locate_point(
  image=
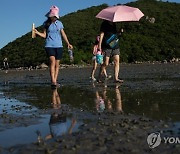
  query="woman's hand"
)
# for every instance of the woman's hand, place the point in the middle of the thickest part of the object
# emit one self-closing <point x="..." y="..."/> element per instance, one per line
<point x="43" y="35"/>
<point x="70" y="46"/>
<point x="35" y="31"/>
<point x="121" y="31"/>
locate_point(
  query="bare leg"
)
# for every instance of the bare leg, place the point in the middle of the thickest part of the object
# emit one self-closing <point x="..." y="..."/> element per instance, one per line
<point x="118" y="100"/>
<point x="109" y="105"/>
<point x="94" y="69"/>
<point x="58" y="98"/>
<point x="105" y="73"/>
<point x="56" y="70"/>
<point x="103" y="67"/>
<point x="116" y="67"/>
<point x="56" y="102"/>
<point x="54" y="97"/>
<point x="52" y="69"/>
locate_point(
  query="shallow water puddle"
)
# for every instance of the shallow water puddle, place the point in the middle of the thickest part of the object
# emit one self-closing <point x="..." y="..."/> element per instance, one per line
<point x="159" y="105"/>
<point x="13" y="106"/>
<point x="23" y="135"/>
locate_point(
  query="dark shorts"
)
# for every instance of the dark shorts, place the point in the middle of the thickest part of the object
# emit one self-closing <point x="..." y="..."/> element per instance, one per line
<point x="56" y="52"/>
<point x="111" y="52"/>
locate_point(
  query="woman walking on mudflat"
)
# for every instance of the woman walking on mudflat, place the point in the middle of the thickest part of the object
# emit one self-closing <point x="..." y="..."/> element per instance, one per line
<point x="53" y="33"/>
<point x="106" y="31"/>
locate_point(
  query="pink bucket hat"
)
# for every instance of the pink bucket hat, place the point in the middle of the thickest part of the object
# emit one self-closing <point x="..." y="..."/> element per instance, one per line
<point x="54" y="12"/>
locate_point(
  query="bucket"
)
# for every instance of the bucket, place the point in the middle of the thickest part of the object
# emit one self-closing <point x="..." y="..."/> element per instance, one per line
<point x="99" y="59"/>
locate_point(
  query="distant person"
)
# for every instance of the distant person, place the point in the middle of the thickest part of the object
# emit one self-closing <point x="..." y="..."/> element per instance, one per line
<point x="106" y="31"/>
<point x="53" y="33"/>
<point x="94" y="60"/>
<point x="6" y="64"/>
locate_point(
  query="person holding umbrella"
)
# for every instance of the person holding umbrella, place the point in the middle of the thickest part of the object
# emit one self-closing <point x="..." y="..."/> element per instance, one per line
<point x="106" y="31"/>
<point x="108" y="38"/>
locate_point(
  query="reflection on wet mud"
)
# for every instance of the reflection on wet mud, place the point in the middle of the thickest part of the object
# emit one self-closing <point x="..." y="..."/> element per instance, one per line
<point x="59" y="123"/>
<point x="51" y="125"/>
<point x="103" y="102"/>
<point x="153" y="104"/>
<point x="56" y="101"/>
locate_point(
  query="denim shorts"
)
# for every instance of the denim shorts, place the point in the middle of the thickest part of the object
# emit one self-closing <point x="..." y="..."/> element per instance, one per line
<point x="111" y="52"/>
<point x="56" y="52"/>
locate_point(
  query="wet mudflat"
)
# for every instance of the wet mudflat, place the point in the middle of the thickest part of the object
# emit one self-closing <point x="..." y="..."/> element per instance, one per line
<point x="91" y="117"/>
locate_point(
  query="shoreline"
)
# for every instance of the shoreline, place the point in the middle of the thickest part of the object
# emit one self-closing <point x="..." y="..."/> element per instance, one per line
<point x="62" y="66"/>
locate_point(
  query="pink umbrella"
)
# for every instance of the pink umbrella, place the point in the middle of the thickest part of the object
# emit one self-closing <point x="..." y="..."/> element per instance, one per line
<point x="120" y="13"/>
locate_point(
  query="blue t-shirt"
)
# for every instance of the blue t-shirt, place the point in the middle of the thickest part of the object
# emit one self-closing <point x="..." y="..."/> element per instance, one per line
<point x="53" y="35"/>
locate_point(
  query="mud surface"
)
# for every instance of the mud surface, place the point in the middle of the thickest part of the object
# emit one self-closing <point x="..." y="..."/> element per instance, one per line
<point x="105" y="117"/>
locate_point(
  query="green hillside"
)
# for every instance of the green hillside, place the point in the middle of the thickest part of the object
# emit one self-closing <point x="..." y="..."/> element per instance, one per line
<point x="141" y="41"/>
